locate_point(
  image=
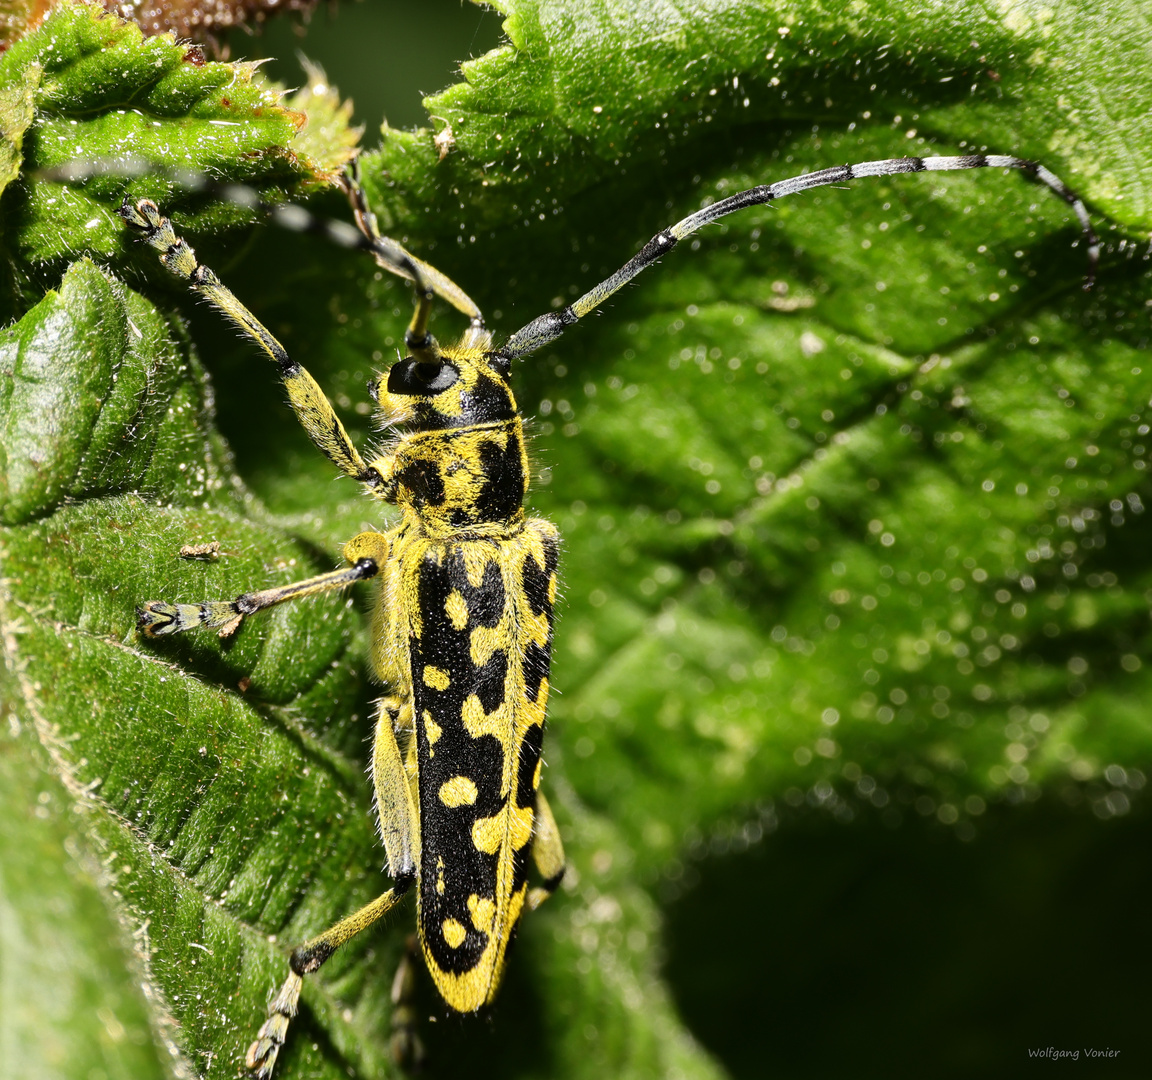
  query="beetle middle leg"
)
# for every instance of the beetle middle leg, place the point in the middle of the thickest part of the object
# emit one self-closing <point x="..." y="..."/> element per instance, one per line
<point x="306" y="959"/>
<point x="394" y="804"/>
<point x="366" y="553"/>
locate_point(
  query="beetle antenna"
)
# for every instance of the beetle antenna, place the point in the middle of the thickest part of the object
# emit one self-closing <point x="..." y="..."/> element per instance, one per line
<point x="547" y="328"/>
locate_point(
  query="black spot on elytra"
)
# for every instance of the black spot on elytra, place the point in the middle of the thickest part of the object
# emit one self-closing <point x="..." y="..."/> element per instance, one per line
<point x="485" y="602"/>
<point x="536" y="582"/>
<point x="490" y="681"/>
<point x="530" y="750"/>
<point x="535" y="666"/>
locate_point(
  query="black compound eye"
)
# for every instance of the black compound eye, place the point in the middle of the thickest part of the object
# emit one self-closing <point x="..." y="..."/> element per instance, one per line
<point x="421" y="377"/>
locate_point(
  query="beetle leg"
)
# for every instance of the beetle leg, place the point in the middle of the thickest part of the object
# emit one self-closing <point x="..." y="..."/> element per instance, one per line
<point x="307" y="958"/>
<point x="365" y="553"/>
<point x="547" y="853"/>
<point x="157" y="618"/>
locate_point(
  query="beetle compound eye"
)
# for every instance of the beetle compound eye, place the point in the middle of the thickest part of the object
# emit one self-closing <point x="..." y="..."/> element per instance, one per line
<point x="437" y="377"/>
<point x="421" y="377"/>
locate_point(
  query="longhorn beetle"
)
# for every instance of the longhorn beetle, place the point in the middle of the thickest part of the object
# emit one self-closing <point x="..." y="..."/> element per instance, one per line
<point x="462" y="628"/>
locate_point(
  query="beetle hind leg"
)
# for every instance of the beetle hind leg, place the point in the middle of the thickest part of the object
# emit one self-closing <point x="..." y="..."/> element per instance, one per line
<point x="262" y="1053"/>
<point x="261" y="1056"/>
<point x="547" y="854"/>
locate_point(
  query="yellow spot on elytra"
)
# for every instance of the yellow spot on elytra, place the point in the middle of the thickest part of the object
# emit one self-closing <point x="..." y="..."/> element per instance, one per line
<point x="520" y="823"/>
<point x="436" y="678"/>
<point x="488" y="834"/>
<point x="534" y="549"/>
<point x="456" y="610"/>
<point x="552" y="589"/>
<point x="535" y="629"/>
<point x="453" y="933"/>
<point x="485" y="641"/>
<point x="482" y="909"/>
<point x="478" y="723"/>
<point x="475" y="563"/>
<point x="459" y="791"/>
<point x="432" y="732"/>
<point x="536" y="774"/>
<point x="532" y="712"/>
<point x="512" y="825"/>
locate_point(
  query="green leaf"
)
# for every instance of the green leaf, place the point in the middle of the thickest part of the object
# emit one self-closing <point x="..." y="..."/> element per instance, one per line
<point x="853" y="489"/>
<point x="70" y="980"/>
<point x="109" y="97"/>
<point x="17" y="108"/>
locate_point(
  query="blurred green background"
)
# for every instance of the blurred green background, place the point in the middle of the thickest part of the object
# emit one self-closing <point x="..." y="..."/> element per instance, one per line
<point x="385" y="56"/>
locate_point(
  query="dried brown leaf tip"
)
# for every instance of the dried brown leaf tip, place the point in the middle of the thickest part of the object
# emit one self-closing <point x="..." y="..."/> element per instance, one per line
<point x="201" y="20"/>
<point x="18" y="17"/>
